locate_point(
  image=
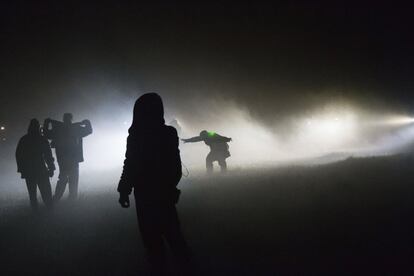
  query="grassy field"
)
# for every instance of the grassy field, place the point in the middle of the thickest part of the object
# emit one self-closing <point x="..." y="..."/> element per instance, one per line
<point x="348" y="218"/>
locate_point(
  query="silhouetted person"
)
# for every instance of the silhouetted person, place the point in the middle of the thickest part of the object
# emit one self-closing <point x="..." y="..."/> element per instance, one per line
<point x="36" y="164"/>
<point x="219" y="149"/>
<point x="152" y="168"/>
<point x="67" y="140"/>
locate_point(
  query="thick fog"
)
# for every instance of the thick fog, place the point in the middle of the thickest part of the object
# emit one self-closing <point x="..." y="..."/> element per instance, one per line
<point x="335" y="129"/>
<point x="324" y="129"/>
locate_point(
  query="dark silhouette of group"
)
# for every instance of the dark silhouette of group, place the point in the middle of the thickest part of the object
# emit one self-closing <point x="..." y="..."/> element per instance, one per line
<point x="152" y="171"/>
<point x="66" y="138"/>
<point x="35" y="161"/>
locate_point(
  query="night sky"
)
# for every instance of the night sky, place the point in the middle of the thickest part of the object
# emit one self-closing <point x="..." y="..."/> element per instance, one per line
<point x="272" y="58"/>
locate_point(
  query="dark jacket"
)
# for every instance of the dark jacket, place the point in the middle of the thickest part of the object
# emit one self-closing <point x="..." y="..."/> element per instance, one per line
<point x="152" y="165"/>
<point x="67" y="139"/>
<point x="33" y="153"/>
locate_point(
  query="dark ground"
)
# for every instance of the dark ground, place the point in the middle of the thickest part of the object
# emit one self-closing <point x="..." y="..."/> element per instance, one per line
<point x="349" y="218"/>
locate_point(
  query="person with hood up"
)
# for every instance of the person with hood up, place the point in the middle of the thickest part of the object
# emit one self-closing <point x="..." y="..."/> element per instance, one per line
<point x="36" y="164"/>
<point x="152" y="169"/>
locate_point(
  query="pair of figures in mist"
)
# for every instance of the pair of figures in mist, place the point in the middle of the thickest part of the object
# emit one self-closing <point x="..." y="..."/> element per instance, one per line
<point x="35" y="161"/>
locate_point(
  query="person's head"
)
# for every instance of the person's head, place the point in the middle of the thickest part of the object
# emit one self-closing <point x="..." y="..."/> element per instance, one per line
<point x="67" y="118"/>
<point x="148" y="111"/>
<point x="34" y="127"/>
<point x="204" y="134"/>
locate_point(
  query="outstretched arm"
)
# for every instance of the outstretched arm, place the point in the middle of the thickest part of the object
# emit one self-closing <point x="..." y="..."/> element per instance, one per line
<point x="192" y="139"/>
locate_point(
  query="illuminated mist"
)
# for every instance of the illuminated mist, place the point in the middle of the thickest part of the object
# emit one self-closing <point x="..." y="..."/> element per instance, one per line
<point x="325" y="134"/>
<point x="328" y="129"/>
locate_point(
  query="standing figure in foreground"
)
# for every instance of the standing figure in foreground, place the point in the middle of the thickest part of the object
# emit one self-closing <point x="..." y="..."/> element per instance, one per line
<point x="67" y="140"/>
<point x="36" y="164"/>
<point x="152" y="168"/>
<point x="219" y="149"/>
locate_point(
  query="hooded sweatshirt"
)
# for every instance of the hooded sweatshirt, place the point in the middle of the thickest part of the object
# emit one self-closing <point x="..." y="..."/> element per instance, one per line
<point x="33" y="154"/>
<point x="152" y="163"/>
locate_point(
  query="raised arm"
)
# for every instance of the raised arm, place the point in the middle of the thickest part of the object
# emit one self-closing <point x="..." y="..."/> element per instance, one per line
<point x="84" y="128"/>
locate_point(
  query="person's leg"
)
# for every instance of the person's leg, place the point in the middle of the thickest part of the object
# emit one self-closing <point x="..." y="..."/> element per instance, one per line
<point x="223" y="164"/>
<point x="209" y="163"/>
<point x="61" y="183"/>
<point x="176" y="240"/>
<point x="45" y="190"/>
<point x="150" y="229"/>
<point x="73" y="181"/>
<point x="32" y="189"/>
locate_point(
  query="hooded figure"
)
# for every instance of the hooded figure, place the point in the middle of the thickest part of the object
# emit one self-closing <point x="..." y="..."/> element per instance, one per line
<point x="36" y="164"/>
<point x="152" y="168"/>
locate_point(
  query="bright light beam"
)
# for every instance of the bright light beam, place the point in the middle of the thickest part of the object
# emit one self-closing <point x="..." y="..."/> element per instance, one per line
<point x="400" y="120"/>
<point x="324" y="132"/>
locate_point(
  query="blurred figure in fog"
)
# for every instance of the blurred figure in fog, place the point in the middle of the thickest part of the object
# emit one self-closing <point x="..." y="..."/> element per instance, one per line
<point x="219" y="149"/>
<point x="152" y="168"/>
<point x="36" y="164"/>
<point x="67" y="140"/>
<point x="174" y="123"/>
